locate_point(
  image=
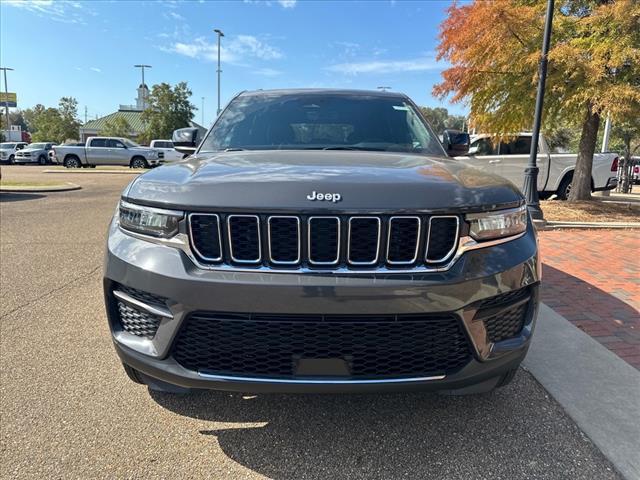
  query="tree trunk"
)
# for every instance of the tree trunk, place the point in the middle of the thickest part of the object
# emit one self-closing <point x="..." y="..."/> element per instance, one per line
<point x="581" y="183"/>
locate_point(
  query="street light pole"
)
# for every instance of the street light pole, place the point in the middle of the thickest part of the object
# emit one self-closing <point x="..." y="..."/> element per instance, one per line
<point x="202" y="113"/>
<point x="530" y="187"/>
<point x="220" y="35"/>
<point x="6" y="93"/>
<point x="142" y="67"/>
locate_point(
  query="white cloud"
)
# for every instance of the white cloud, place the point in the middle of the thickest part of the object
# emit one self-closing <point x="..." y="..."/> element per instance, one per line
<point x="267" y="72"/>
<point x="95" y="69"/>
<point x="235" y="50"/>
<point x="287" y="3"/>
<point x="174" y="16"/>
<point x="386" y="66"/>
<point x="64" y="11"/>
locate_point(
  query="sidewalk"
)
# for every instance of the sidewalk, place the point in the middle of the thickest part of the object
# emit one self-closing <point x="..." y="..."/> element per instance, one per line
<point x="592" y="278"/>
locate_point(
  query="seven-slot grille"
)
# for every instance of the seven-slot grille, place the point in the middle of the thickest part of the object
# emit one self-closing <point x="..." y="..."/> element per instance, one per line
<point x="323" y="242"/>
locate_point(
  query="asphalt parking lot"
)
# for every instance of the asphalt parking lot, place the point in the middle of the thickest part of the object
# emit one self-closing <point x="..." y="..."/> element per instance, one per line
<point x="69" y="411"/>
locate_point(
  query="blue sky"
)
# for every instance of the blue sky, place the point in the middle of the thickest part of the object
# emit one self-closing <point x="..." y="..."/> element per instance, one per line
<point x="87" y="49"/>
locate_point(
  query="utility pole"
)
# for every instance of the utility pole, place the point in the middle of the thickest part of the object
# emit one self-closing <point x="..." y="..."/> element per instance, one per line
<point x="220" y="35"/>
<point x="85" y="114"/>
<point x="202" y="113"/>
<point x="607" y="134"/>
<point x="530" y="187"/>
<point x="144" y="98"/>
<point x="6" y="93"/>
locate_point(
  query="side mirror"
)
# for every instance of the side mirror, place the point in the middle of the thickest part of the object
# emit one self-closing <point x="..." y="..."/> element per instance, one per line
<point x="185" y="140"/>
<point x="456" y="142"/>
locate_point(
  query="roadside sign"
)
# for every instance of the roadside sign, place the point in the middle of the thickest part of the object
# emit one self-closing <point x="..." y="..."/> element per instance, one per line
<point x="8" y="99"/>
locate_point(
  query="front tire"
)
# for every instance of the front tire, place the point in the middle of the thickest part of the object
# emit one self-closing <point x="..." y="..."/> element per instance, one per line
<point x="139" y="162"/>
<point x="72" y="162"/>
<point x="12" y="159"/>
<point x="42" y="160"/>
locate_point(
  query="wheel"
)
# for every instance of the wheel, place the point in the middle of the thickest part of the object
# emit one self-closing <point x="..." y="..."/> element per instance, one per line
<point x="72" y="162"/>
<point x="139" y="162"/>
<point x="133" y="374"/>
<point x="42" y="160"/>
<point x="12" y="159"/>
<point x="565" y="187"/>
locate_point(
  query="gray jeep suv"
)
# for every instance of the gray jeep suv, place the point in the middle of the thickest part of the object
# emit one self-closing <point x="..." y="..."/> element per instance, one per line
<point x="321" y="241"/>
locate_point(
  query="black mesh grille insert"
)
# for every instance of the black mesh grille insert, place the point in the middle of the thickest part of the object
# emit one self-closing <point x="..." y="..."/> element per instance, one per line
<point x="372" y="347"/>
<point x="504" y="315"/>
<point x="245" y="238"/>
<point x="284" y="239"/>
<point x="137" y="322"/>
<point x="324" y="239"/>
<point x="403" y="239"/>
<point x="205" y="236"/>
<point x="506" y="324"/>
<point x="364" y="237"/>
<point x="145" y="297"/>
<point x="442" y="237"/>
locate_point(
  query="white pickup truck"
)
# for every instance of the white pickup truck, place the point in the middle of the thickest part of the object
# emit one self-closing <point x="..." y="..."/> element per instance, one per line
<point x="108" y="151"/>
<point x="509" y="158"/>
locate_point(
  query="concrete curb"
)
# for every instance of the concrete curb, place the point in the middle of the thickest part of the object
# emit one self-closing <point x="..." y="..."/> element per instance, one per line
<point x="66" y="187"/>
<point x="83" y="171"/>
<point x="599" y="390"/>
<point x="589" y="225"/>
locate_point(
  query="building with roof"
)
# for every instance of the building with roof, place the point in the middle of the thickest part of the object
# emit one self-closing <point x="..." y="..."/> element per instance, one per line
<point x="131" y="113"/>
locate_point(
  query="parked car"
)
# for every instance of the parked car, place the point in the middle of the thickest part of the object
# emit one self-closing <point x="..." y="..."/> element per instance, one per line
<point x="108" y="151"/>
<point x="34" y="153"/>
<point x="321" y="241"/>
<point x="8" y="150"/>
<point x="509" y="159"/>
<point x="166" y="147"/>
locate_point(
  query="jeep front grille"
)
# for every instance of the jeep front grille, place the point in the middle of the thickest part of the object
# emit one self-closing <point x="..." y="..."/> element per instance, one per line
<point x="323" y="242"/>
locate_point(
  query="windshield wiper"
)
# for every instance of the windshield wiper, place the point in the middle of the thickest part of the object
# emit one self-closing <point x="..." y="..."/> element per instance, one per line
<point x="234" y="149"/>
<point x="346" y="147"/>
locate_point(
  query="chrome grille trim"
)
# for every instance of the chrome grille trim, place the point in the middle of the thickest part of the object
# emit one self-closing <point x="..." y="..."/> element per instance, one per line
<point x="310" y="253"/>
<point x="455" y="243"/>
<point x="257" y="218"/>
<point x="351" y="262"/>
<point x="418" y="236"/>
<point x="281" y="262"/>
<point x="193" y="243"/>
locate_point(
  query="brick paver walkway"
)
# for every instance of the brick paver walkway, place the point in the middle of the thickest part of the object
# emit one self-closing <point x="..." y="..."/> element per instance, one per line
<point x="592" y="278"/>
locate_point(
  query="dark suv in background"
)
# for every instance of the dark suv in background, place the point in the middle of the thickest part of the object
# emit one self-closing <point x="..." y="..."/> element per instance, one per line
<point x="321" y="241"/>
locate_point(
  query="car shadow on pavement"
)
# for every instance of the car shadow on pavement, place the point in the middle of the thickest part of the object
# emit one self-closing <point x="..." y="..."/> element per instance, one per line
<point x="602" y="315"/>
<point x="18" y="197"/>
<point x="514" y="432"/>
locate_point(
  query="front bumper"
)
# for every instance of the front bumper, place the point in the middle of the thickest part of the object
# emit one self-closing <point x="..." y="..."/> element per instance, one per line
<point x="168" y="272"/>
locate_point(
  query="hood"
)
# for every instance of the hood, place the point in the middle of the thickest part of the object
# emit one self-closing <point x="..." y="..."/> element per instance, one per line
<point x="282" y="180"/>
<point x="31" y="150"/>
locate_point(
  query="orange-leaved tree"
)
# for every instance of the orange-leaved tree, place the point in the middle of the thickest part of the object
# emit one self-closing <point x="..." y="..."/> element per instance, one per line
<point x="494" y="49"/>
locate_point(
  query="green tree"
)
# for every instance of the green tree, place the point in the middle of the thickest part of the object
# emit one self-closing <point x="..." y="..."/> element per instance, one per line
<point x="116" y="127"/>
<point x="53" y="124"/>
<point x="69" y="123"/>
<point x="594" y="67"/>
<point x="440" y="119"/>
<point x="168" y="108"/>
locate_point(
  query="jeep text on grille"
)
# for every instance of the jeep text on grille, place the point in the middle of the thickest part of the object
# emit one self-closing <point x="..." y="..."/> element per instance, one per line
<point x="321" y="240"/>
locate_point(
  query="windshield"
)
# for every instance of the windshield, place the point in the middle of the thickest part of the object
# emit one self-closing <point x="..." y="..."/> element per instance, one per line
<point x="129" y="143"/>
<point x="38" y="145"/>
<point x="6" y="146"/>
<point x="321" y="121"/>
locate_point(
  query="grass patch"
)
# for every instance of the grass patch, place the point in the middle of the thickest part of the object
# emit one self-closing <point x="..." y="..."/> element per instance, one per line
<point x="593" y="211"/>
<point x="22" y="183"/>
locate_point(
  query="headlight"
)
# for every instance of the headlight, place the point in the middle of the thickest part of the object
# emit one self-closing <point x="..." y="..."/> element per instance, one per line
<point x="502" y="223"/>
<point x="156" y="222"/>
